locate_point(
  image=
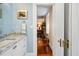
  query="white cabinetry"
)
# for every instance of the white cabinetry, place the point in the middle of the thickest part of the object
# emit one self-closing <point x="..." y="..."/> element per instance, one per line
<point x="18" y="49"/>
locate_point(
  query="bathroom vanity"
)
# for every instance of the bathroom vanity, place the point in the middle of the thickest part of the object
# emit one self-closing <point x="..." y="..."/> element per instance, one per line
<point x="13" y="45"/>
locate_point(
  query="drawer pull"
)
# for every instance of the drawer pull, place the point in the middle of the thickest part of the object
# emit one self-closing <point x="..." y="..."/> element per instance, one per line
<point x="14" y="47"/>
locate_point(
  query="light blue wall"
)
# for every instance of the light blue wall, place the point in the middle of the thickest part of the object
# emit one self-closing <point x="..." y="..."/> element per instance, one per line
<point x="7" y="19"/>
<point x="12" y="24"/>
<point x="29" y="21"/>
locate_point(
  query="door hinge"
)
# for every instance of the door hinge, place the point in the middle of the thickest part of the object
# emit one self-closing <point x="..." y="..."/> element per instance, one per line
<point x="64" y="43"/>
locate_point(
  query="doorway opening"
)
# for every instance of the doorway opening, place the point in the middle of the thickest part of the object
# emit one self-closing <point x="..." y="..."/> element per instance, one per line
<point x="44" y="13"/>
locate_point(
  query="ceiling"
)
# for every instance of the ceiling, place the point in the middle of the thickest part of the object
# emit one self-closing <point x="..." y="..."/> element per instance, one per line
<point x="42" y="10"/>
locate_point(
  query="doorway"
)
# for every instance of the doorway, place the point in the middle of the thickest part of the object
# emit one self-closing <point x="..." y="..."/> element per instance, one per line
<point x="55" y="32"/>
<point x="43" y="38"/>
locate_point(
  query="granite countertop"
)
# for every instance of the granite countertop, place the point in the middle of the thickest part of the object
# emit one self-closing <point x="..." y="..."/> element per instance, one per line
<point x="8" y="41"/>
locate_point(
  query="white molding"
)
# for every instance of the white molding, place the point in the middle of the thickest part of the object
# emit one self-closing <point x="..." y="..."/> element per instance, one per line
<point x="70" y="29"/>
<point x="35" y="28"/>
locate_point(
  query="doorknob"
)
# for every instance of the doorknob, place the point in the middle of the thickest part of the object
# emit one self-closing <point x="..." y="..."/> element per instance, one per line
<point x="61" y="42"/>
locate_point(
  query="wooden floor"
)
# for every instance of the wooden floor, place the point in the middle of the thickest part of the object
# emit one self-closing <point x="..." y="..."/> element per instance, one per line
<point x="43" y="48"/>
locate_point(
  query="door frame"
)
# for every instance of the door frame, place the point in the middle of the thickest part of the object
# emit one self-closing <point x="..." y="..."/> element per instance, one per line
<point x="68" y="27"/>
<point x="35" y="25"/>
<point x="34" y="29"/>
<point x="74" y="29"/>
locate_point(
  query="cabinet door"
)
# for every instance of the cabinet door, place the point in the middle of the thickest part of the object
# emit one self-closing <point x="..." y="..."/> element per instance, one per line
<point x="24" y="46"/>
<point x="8" y="52"/>
<point x="19" y="51"/>
<point x="15" y="50"/>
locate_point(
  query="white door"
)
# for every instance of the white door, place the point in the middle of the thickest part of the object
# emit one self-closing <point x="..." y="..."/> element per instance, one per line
<point x="58" y="28"/>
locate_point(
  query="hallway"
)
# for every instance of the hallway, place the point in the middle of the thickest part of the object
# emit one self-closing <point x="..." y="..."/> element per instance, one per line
<point x="43" y="17"/>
